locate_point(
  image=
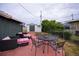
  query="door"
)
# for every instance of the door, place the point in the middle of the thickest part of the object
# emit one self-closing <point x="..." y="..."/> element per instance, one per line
<point x="32" y="27"/>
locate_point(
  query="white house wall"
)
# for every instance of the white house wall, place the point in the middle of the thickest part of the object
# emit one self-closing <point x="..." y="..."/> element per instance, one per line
<point x="37" y="29"/>
<point x="27" y="28"/>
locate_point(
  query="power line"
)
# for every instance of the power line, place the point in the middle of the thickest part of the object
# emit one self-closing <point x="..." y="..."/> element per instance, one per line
<point x="26" y="10"/>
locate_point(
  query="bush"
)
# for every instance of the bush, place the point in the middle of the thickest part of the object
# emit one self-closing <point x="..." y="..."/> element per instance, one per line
<point x="66" y="35"/>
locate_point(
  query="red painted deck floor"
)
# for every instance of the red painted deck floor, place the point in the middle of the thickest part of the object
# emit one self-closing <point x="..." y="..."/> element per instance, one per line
<point x="26" y="51"/>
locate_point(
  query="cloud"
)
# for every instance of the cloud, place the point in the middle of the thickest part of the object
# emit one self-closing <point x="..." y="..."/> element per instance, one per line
<point x="51" y="11"/>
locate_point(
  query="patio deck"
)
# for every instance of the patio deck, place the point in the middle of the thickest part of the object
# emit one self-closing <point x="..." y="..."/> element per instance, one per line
<point x="26" y="51"/>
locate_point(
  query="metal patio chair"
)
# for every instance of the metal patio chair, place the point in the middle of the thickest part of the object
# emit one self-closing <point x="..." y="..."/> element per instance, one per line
<point x="57" y="46"/>
<point x="36" y="43"/>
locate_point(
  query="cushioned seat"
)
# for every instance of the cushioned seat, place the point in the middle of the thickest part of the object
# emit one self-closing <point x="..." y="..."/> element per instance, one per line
<point x="8" y="44"/>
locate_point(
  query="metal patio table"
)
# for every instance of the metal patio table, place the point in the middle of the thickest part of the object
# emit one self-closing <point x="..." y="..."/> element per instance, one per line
<point x="47" y="39"/>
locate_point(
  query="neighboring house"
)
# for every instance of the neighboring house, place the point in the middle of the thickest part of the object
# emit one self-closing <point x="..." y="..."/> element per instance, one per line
<point x="33" y="25"/>
<point x="8" y="25"/>
<point x="33" y="28"/>
<point x="74" y="26"/>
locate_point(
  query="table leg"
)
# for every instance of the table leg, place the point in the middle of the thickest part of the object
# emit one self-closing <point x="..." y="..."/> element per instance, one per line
<point x="48" y="48"/>
<point x="43" y="49"/>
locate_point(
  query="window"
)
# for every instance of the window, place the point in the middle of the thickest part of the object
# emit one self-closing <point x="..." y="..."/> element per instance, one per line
<point x="39" y="25"/>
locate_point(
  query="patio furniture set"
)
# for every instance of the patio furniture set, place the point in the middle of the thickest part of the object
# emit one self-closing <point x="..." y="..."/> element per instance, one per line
<point x="38" y="41"/>
<point x="50" y="41"/>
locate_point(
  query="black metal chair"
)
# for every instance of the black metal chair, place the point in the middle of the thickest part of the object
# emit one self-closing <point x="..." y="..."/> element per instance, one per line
<point x="50" y="38"/>
<point x="36" y="43"/>
<point x="57" y="46"/>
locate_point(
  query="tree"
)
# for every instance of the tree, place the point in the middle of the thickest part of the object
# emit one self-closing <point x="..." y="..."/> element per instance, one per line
<point x="50" y="26"/>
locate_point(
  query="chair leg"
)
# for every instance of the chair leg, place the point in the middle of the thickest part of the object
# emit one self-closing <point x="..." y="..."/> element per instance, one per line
<point x="62" y="51"/>
<point x="35" y="50"/>
<point x="56" y="52"/>
<point x="31" y="47"/>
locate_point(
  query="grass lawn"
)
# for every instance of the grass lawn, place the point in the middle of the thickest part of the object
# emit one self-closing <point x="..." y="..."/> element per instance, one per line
<point x="71" y="46"/>
<point x="71" y="49"/>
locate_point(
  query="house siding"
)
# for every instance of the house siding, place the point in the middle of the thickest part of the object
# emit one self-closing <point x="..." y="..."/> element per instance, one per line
<point x="74" y="27"/>
<point x="37" y="28"/>
<point x="28" y="30"/>
<point x="9" y="28"/>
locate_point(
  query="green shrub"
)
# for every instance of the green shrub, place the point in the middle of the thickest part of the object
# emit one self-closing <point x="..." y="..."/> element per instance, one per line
<point x="66" y="35"/>
<point x="75" y="38"/>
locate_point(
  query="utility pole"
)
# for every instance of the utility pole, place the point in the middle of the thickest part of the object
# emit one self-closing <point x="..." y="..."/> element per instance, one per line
<point x="41" y="19"/>
<point x="72" y="17"/>
<point x="40" y="16"/>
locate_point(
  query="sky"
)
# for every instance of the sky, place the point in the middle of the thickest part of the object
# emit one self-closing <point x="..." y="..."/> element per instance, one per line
<point x="60" y="12"/>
